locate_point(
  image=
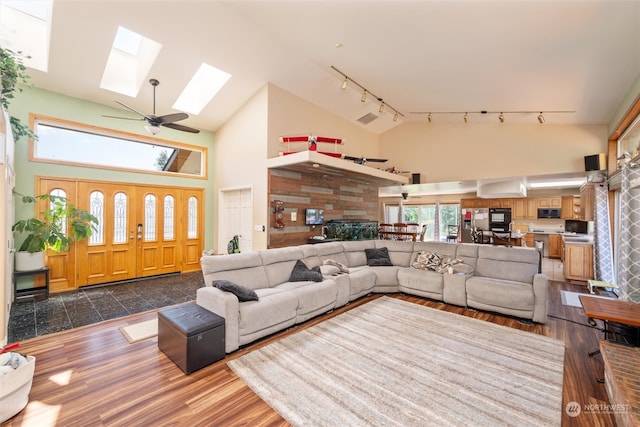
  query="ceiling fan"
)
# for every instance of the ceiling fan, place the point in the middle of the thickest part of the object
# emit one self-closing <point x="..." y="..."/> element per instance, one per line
<point x="154" y="122"/>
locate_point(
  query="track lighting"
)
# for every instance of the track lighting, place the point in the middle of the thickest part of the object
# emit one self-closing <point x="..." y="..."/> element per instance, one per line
<point x="366" y="92"/>
<point x="501" y="114"/>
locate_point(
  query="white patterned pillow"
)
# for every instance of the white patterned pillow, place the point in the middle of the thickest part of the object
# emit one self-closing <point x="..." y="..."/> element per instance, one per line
<point x="432" y="261"/>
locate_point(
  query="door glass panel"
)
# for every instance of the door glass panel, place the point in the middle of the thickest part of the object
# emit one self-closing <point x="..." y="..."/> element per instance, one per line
<point x="62" y="194"/>
<point x="192" y="220"/>
<point x="120" y="209"/>
<point x="96" y="208"/>
<point x="169" y="209"/>
<point x="149" y="218"/>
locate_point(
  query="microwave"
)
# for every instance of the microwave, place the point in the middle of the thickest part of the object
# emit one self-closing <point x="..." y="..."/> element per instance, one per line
<point x="549" y="213"/>
<point x="576" y="226"/>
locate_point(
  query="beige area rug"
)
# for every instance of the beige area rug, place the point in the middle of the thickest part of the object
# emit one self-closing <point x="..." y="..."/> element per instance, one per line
<point x="140" y="331"/>
<point x="394" y="363"/>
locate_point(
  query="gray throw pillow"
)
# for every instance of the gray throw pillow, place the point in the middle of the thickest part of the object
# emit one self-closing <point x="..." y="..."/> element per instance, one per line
<point x="243" y="293"/>
<point x="302" y="273"/>
<point x="378" y="257"/>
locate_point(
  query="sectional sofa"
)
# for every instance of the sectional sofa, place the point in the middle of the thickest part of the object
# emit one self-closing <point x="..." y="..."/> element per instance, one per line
<point x="499" y="279"/>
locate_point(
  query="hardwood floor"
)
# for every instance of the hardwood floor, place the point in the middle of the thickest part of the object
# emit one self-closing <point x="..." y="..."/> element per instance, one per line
<point x="91" y="376"/>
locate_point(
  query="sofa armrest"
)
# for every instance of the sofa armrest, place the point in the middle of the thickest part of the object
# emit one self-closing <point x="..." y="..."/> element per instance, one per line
<point x="541" y="297"/>
<point x="226" y="305"/>
<point x="454" y="289"/>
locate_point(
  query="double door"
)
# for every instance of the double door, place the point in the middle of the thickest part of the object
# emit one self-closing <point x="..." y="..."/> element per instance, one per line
<point x="143" y="231"/>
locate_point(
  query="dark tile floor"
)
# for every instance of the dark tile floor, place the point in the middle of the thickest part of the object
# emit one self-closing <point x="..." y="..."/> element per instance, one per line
<point x="38" y="315"/>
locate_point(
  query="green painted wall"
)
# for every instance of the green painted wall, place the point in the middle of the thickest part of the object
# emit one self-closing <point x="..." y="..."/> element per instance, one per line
<point x="33" y="100"/>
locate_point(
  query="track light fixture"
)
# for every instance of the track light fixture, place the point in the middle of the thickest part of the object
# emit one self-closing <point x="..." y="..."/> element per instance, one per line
<point x="501" y="114"/>
<point x="365" y="92"/>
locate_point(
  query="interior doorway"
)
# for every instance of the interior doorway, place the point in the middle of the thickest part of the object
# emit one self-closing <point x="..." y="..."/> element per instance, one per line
<point x="235" y="218"/>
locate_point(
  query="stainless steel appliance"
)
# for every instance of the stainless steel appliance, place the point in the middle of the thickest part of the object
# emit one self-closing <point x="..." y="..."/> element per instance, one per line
<point x="548" y="213"/>
<point x="473" y="218"/>
<point x="500" y="219"/>
<point x="576" y="226"/>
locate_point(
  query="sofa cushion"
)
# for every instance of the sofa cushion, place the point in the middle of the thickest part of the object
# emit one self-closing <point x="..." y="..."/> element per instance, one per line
<point x="278" y="263"/>
<point x="500" y="293"/>
<point x="399" y="251"/>
<point x="420" y="280"/>
<point x="243" y="293"/>
<point x="500" y="262"/>
<point x="275" y="307"/>
<point x="354" y="252"/>
<point x="301" y="273"/>
<point x="312" y="296"/>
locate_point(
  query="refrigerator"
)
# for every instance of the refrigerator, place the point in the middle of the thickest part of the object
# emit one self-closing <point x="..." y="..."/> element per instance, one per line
<point x="473" y="218"/>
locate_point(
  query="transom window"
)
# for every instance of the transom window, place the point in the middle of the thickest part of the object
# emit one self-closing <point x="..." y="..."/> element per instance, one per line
<point x="64" y="142"/>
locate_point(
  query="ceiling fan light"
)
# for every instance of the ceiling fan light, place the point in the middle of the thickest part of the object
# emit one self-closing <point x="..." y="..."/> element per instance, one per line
<point x="381" y="109"/>
<point x="153" y="130"/>
<point x="501" y="118"/>
<point x="429" y="118"/>
<point x="344" y="84"/>
<point x="466" y="117"/>
<point x="364" y="96"/>
<point x="540" y="118"/>
<point x="395" y="117"/>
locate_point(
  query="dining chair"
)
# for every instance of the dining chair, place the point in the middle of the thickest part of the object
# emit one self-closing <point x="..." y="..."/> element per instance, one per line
<point x="452" y="232"/>
<point x="502" y="238"/>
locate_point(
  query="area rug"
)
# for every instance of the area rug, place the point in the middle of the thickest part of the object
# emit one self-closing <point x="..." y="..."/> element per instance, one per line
<point x="140" y="331"/>
<point x="572" y="299"/>
<point x="390" y="362"/>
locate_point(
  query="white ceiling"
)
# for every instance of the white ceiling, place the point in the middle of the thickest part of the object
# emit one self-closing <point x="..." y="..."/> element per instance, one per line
<point x="418" y="55"/>
<point x="427" y="56"/>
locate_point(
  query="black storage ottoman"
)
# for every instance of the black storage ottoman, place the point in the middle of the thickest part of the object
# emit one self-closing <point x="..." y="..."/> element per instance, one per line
<point x="191" y="336"/>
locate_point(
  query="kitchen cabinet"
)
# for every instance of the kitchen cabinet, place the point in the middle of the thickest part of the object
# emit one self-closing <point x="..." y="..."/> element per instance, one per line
<point x="526" y="208"/>
<point x="570" y="207"/>
<point x="500" y="203"/>
<point x="578" y="261"/>
<point x="555" y="246"/>
<point x="587" y="202"/>
<point x="549" y="202"/>
<point x="474" y="203"/>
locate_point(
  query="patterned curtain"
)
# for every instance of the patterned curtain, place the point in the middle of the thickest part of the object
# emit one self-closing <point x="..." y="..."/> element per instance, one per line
<point x="629" y="251"/>
<point x="603" y="253"/>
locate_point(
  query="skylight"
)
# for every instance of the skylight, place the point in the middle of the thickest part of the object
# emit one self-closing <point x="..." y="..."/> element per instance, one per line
<point x="130" y="60"/>
<point x="204" y="85"/>
<point x="25" y="26"/>
<point x="575" y="182"/>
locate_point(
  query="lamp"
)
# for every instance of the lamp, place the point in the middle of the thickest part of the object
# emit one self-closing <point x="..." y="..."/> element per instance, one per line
<point x="153" y="129"/>
<point x="366" y="92"/>
<point x="540" y="118"/>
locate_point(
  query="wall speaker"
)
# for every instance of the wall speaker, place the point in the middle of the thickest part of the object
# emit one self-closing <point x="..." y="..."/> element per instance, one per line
<point x="595" y="162"/>
<point x="415" y="178"/>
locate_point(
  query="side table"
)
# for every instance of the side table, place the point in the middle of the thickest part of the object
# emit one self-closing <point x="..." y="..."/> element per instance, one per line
<point x="31" y="291"/>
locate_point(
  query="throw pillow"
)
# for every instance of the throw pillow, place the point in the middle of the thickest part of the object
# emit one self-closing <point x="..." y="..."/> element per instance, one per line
<point x="427" y="261"/>
<point x="378" y="257"/>
<point x="302" y="273"/>
<point x="343" y="268"/>
<point x="243" y="293"/>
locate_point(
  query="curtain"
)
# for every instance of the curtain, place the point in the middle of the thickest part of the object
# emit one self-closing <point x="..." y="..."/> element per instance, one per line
<point x="602" y="249"/>
<point x="436" y="223"/>
<point x="629" y="251"/>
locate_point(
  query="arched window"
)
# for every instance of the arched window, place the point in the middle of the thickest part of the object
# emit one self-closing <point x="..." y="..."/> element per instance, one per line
<point x="192" y="218"/>
<point x="169" y="215"/>
<point x="149" y="218"/>
<point x="120" y="215"/>
<point x="96" y="208"/>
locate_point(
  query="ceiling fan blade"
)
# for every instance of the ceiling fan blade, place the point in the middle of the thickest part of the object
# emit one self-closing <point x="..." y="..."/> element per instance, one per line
<point x="137" y="112"/>
<point x="170" y="118"/>
<point x="123" y="118"/>
<point x="180" y="127"/>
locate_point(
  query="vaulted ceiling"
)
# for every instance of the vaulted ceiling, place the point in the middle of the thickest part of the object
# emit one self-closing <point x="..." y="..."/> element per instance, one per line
<point x="419" y="56"/>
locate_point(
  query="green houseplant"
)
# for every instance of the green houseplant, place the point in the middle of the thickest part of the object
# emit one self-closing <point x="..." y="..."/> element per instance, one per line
<point x="49" y="229"/>
<point x="13" y="74"/>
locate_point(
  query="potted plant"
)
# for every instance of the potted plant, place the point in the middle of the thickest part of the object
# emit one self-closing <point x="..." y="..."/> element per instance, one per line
<point x="13" y="74"/>
<point x="49" y="230"/>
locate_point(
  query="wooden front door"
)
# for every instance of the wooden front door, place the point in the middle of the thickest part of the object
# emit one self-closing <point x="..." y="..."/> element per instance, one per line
<point x="143" y="231"/>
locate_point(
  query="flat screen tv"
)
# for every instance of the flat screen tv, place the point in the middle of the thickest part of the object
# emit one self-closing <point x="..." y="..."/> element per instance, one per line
<point x="314" y="217"/>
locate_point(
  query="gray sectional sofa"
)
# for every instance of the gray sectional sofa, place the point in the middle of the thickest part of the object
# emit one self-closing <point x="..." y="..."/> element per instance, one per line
<point x="493" y="278"/>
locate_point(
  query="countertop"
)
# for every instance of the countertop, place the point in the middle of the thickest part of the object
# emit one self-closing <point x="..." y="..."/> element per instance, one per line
<point x="567" y="237"/>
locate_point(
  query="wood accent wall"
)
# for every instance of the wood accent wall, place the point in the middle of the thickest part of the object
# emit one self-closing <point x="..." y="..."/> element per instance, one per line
<point x="340" y="197"/>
